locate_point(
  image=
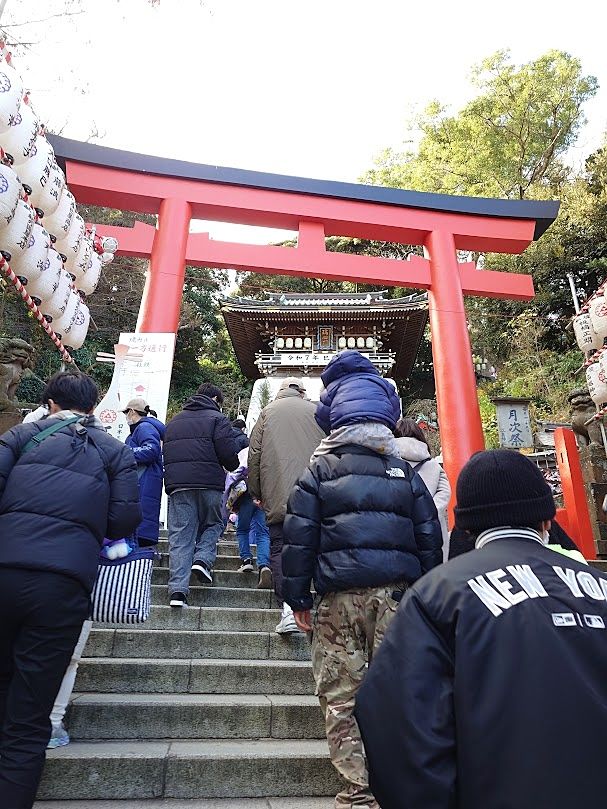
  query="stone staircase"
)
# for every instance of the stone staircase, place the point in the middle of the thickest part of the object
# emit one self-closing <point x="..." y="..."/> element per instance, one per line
<point x="201" y="703"/>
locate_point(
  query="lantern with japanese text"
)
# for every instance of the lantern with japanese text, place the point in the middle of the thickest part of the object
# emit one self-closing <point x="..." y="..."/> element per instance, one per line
<point x="42" y="174"/>
<point x="10" y="193"/>
<point x="597" y="384"/>
<point x="58" y="223"/>
<point x="587" y="338"/>
<point x="32" y="261"/>
<point x="18" y="140"/>
<point x="597" y="310"/>
<point x="87" y="282"/>
<point x="15" y="236"/>
<point x="11" y="94"/>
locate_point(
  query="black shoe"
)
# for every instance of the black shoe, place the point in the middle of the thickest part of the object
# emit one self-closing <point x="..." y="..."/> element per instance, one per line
<point x="246" y="566"/>
<point x="265" y="579"/>
<point x="178" y="600"/>
<point x="203" y="573"/>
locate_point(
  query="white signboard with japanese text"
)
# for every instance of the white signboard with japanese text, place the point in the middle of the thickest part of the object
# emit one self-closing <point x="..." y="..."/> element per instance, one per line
<point x="150" y="375"/>
<point x="514" y="425"/>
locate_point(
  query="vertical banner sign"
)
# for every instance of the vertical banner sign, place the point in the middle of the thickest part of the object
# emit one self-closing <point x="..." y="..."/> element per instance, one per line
<point x="513" y="423"/>
<point x="109" y="409"/>
<point x="149" y="376"/>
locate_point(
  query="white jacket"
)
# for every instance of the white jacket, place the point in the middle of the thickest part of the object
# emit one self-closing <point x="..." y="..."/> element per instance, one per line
<point x="435" y="478"/>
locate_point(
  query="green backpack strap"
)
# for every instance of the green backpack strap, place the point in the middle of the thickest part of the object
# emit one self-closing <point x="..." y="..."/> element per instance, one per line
<point x="44" y="434"/>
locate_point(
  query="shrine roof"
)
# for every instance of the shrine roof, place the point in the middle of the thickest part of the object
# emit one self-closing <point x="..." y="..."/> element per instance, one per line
<point x="407" y="316"/>
<point x="543" y="212"/>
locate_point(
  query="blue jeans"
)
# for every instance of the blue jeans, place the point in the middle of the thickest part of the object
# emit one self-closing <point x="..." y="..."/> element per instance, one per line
<point x="195" y="525"/>
<point x="252" y="520"/>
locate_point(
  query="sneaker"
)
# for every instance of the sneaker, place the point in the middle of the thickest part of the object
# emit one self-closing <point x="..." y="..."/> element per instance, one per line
<point x="246" y="566"/>
<point x="265" y="579"/>
<point x="203" y="573"/>
<point x="178" y="600"/>
<point x="59" y="737"/>
<point x="287" y="625"/>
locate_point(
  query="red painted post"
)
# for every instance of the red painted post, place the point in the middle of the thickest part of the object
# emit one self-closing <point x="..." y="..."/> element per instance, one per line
<point x="161" y="299"/>
<point x="574" y="493"/>
<point x="458" y="412"/>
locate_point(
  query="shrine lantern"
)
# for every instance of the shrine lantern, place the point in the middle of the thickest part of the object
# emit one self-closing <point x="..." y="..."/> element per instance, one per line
<point x="58" y="223"/>
<point x="87" y="282"/>
<point x="18" y="141"/>
<point x="598" y="315"/>
<point x="587" y="338"/>
<point x="56" y="304"/>
<point x="596" y="381"/>
<point x="32" y="261"/>
<point x="72" y="326"/>
<point x="15" y="236"/>
<point x="70" y="243"/>
<point x="11" y="94"/>
<point x="42" y="174"/>
<point x="10" y="193"/>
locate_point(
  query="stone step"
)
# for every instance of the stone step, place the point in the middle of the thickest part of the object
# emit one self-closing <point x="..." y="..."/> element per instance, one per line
<point x="236" y="619"/>
<point x="225" y="547"/>
<point x="214" y="596"/>
<point x="221" y="578"/>
<point x="211" y="676"/>
<point x="213" y="803"/>
<point x="222" y="562"/>
<point x="188" y="644"/>
<point x="213" y="768"/>
<point x="194" y="716"/>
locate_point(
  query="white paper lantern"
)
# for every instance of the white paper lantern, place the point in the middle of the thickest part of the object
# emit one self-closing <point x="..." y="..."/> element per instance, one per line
<point x="87" y="282"/>
<point x="597" y="383"/>
<point x="82" y="261"/>
<point x="598" y="315"/>
<point x="58" y="223"/>
<point x="587" y="338"/>
<point x="11" y="94"/>
<point x="34" y="259"/>
<point x="10" y="193"/>
<point x="71" y="244"/>
<point x="15" y="236"/>
<point x="73" y="325"/>
<point x="18" y="140"/>
<point x="56" y="304"/>
<point x="41" y="172"/>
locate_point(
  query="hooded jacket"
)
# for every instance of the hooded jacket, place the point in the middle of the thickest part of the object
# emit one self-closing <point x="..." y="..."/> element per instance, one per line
<point x="282" y="441"/>
<point x="353" y="393"/>
<point x="434" y="476"/>
<point x="489" y="689"/>
<point x="146" y="442"/>
<point x="59" y="500"/>
<point x="198" y="443"/>
<point x="357" y="519"/>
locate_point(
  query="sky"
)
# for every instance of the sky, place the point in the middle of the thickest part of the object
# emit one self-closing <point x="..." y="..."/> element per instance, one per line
<point x="313" y="89"/>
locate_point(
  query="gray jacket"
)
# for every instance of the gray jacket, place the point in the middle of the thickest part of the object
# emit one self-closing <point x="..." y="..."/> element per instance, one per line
<point x="283" y="439"/>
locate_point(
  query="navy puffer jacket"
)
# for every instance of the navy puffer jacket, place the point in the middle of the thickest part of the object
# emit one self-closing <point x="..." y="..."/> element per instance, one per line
<point x="145" y="441"/>
<point x="59" y="500"/>
<point x="198" y="443"/>
<point x="357" y="519"/>
<point x="355" y="392"/>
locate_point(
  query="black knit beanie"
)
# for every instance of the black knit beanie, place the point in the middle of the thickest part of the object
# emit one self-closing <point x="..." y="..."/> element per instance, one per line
<point x="501" y="487"/>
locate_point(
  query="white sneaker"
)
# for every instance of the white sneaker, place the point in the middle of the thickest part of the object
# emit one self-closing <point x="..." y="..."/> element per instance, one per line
<point x="287" y="624"/>
<point x="246" y="566"/>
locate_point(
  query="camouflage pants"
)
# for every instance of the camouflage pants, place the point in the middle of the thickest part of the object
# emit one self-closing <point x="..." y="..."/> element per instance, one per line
<point x="348" y="629"/>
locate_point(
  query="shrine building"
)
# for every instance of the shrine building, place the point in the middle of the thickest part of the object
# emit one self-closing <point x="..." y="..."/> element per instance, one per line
<point x="293" y="334"/>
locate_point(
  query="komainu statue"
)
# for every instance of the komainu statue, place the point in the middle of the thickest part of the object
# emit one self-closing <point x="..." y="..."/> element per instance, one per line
<point x="583" y="409"/>
<point x="15" y="357"/>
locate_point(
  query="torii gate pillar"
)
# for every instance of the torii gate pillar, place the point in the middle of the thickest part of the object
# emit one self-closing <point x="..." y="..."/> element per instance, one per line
<point x="456" y="397"/>
<point x="161" y="299"/>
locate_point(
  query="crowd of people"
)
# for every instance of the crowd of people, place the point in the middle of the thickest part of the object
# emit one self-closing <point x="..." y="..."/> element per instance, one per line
<point x="476" y="682"/>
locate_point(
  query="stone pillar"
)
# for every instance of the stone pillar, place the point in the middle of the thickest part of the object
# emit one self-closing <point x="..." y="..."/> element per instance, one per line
<point x="594" y="470"/>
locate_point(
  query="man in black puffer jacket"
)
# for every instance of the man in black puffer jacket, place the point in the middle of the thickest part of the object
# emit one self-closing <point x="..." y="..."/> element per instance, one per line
<point x="362" y="524"/>
<point x="199" y="445"/>
<point x="59" y="497"/>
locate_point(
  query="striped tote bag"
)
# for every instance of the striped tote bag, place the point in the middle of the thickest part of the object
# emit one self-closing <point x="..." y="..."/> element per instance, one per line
<point x="123" y="589"/>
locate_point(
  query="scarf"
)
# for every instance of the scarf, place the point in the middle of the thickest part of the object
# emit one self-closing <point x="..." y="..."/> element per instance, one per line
<point x="372" y="435"/>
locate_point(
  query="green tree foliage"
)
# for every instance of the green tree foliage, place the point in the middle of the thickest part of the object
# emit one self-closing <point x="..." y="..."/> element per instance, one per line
<point x="509" y="141"/>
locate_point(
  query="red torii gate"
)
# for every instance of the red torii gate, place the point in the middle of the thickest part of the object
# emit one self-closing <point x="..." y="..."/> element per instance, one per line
<point x="179" y="191"/>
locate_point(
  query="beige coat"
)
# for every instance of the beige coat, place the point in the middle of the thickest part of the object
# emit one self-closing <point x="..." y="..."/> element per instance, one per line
<point x="281" y="443"/>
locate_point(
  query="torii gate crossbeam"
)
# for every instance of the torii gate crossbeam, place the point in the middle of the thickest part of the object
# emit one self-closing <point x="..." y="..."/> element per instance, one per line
<point x="179" y="191"/>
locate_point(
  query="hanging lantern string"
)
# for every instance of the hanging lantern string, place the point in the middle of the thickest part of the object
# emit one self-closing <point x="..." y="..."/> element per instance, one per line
<point x="6" y="270"/>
